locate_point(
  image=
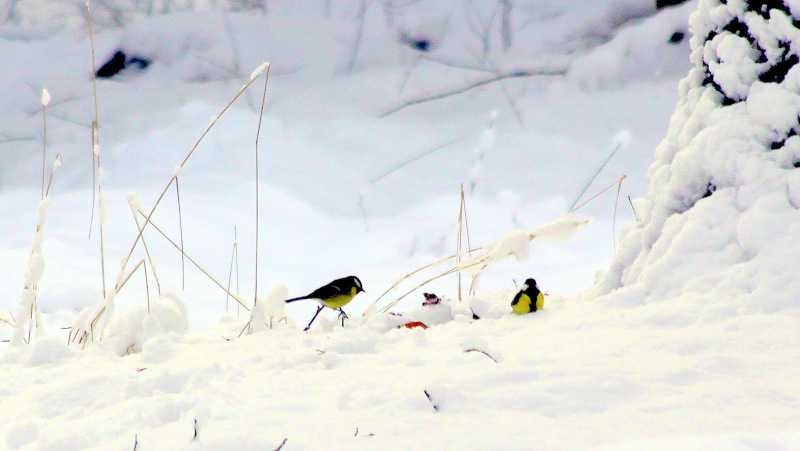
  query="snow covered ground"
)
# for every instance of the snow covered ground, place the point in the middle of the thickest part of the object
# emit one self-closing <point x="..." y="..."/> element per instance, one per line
<point x="680" y="373"/>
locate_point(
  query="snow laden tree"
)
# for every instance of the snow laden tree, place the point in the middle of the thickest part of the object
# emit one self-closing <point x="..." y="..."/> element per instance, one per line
<point x="722" y="218"/>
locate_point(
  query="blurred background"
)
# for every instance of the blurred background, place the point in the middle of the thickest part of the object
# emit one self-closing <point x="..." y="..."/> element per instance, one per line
<point x="377" y="113"/>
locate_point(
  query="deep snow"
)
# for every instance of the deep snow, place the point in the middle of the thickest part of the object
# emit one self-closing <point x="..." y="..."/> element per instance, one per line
<point x="624" y="372"/>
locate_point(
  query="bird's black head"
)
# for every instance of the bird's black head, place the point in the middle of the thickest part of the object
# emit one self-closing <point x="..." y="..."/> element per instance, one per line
<point x="530" y="283"/>
<point x="356" y="282"/>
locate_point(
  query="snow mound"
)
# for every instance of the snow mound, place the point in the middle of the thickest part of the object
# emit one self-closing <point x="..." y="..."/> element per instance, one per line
<point x="128" y="331"/>
<point x="722" y="217"/>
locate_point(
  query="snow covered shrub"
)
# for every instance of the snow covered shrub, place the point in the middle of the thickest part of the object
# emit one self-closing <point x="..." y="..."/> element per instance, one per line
<point x="721" y="218"/>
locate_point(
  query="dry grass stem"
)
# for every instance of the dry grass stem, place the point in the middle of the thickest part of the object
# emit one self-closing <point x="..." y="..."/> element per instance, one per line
<point x="98" y="181"/>
<point x="44" y="144"/>
<point x="197" y="265"/>
<point x="147" y="252"/>
<point x="446" y="273"/>
<point x="180" y="226"/>
<point x="230" y="272"/>
<point x="614" y="220"/>
<point x="441" y="261"/>
<point x="618" y="182"/>
<point x="182" y="164"/>
<point x="258" y="135"/>
<point x="147" y="288"/>
<point x="458" y="239"/>
<point x="94" y="90"/>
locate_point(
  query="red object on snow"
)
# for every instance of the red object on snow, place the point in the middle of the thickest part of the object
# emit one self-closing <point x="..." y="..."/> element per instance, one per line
<point x="414" y="324"/>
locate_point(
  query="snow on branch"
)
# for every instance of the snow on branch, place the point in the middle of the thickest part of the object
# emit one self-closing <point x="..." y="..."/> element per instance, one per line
<point x="514" y="243"/>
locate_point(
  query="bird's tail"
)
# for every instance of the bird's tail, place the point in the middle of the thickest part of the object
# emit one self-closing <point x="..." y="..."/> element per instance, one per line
<point x="297" y="299"/>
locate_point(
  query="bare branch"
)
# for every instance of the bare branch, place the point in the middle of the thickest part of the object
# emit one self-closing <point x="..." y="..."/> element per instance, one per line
<point x="442" y="95"/>
<point x="357" y="44"/>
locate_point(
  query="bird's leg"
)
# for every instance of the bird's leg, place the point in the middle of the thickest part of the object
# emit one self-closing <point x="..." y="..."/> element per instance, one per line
<point x="342" y="315"/>
<point x="312" y="319"/>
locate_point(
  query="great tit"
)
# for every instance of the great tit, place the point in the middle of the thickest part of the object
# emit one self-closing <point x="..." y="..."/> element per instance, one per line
<point x="334" y="295"/>
<point x="529" y="299"/>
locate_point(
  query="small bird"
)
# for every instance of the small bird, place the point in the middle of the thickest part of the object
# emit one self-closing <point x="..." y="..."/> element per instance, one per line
<point x="529" y="299"/>
<point x="334" y="295"/>
<point x="431" y="299"/>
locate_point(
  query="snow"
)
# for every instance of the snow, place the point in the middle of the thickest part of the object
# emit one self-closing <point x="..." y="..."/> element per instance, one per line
<point x="684" y="342"/>
<point x="259" y="70"/>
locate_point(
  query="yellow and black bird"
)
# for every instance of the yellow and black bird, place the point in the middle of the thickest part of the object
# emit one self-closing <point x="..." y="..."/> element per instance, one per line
<point x="529" y="299"/>
<point x="334" y="295"/>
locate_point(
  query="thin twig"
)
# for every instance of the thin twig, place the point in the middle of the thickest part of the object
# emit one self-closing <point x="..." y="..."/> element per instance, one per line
<point x="633" y="209"/>
<point x="197" y="265"/>
<point x="188" y="155"/>
<point x="258" y="135"/>
<point x="129" y="275"/>
<point x="407" y="75"/>
<point x="614" y="221"/>
<point x="457" y="65"/>
<point x="230" y="273"/>
<point x="94" y="90"/>
<point x="236" y="253"/>
<point x="466" y="228"/>
<point x="429" y="265"/>
<point x="101" y="207"/>
<point x="428" y="395"/>
<point x="147" y="252"/>
<point x="147" y="288"/>
<point x="44" y="143"/>
<point x="96" y="153"/>
<point x="50" y="180"/>
<point x="596" y="173"/>
<point x="422" y="155"/>
<point x="230" y="72"/>
<point x="246" y="328"/>
<point x="357" y="44"/>
<point x="498" y="77"/>
<point x="446" y="273"/>
<point x="482" y="352"/>
<point x="601" y="192"/>
<point x="180" y="226"/>
<point x="117" y="289"/>
<point x="237" y="68"/>
<point x="458" y="239"/>
<point x="18" y="139"/>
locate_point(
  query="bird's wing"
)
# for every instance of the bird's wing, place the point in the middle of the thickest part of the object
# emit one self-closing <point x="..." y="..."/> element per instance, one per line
<point x="325" y="292"/>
